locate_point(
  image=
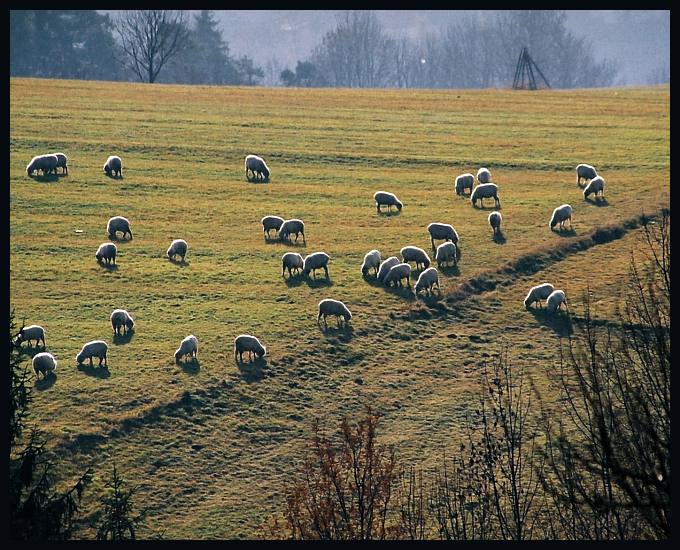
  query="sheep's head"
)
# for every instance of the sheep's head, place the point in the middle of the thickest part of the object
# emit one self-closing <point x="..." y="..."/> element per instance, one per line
<point x="129" y="324"/>
<point x="265" y="172"/>
<point x="347" y="316"/>
<point x="399" y="206"/>
<point x="426" y="262"/>
<point x="261" y="352"/>
<point x="80" y="357"/>
<point x="99" y="256"/>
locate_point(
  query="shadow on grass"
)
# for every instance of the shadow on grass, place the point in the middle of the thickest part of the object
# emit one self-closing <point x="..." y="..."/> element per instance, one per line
<point x="117" y="239"/>
<point x="252" y="371"/>
<point x="430" y="299"/>
<point x="371" y="280"/>
<point x="321" y="282"/>
<point x="565" y="232"/>
<point x="499" y="238"/>
<point x="598" y="202"/>
<point x="180" y="263"/>
<point x="479" y="206"/>
<point x="338" y="328"/>
<point x="287" y="242"/>
<point x="405" y="292"/>
<point x="559" y="321"/>
<point x="113" y="176"/>
<point x="32" y="351"/>
<point x="108" y="267"/>
<point x="94" y="370"/>
<point x="42" y="384"/>
<point x="123" y="338"/>
<point x="190" y="366"/>
<point x="47" y="178"/>
<point x="389" y="213"/>
<point x="450" y="270"/>
<point x="294" y="280"/>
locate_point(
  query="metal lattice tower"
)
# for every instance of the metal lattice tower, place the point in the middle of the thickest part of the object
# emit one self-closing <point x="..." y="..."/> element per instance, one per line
<point x="524" y="73"/>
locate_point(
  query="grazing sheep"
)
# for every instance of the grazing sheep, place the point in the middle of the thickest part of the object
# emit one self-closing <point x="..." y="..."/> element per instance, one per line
<point x="46" y="163"/>
<point x="118" y="223"/>
<point x="31" y="332"/>
<point x="442" y="231"/>
<point x="315" y="261"/>
<point x="596" y="186"/>
<point x="258" y="167"/>
<point x="560" y="215"/>
<point x="371" y="260"/>
<point x="586" y="172"/>
<point x="538" y="293"/>
<point x="188" y="346"/>
<point x="427" y="280"/>
<point x="463" y="182"/>
<point x="178" y="247"/>
<point x="485" y="191"/>
<point x="388" y="199"/>
<point x="415" y="254"/>
<point x="483" y="175"/>
<point x="292" y="226"/>
<point x="495" y="220"/>
<point x="106" y="252"/>
<point x="291" y="261"/>
<point x="113" y="166"/>
<point x="445" y="253"/>
<point x="555" y="301"/>
<point x="333" y="307"/>
<point x="44" y="363"/>
<point x="397" y="273"/>
<point x="271" y="222"/>
<point x="246" y="342"/>
<point x="96" y="348"/>
<point x="385" y="267"/>
<point x="62" y="161"/>
<point x="120" y="318"/>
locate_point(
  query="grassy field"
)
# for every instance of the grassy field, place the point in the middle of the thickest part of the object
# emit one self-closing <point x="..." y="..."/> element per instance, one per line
<point x="210" y="444"/>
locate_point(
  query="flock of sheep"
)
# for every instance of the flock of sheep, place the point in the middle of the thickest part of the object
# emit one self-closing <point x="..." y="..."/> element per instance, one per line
<point x="390" y="271"/>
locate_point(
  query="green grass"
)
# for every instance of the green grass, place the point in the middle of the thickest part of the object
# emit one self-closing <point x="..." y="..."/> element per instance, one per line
<point x="210" y="446"/>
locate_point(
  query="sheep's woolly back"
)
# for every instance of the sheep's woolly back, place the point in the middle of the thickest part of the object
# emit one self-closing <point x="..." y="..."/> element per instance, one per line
<point x="445" y="252"/>
<point x="483" y="175"/>
<point x="118" y="223"/>
<point x="495" y="219"/>
<point x="107" y="250"/>
<point x="484" y="191"/>
<point x="594" y="186"/>
<point x="556" y="298"/>
<point x="385" y="197"/>
<point x="315" y="261"/>
<point x="187" y="346"/>
<point x="43" y="362"/>
<point x="560" y="213"/>
<point x="538" y="293"/>
<point x="586" y="171"/>
<point x="385" y="267"/>
<point x="464" y="181"/>
<point x="247" y="342"/>
<point x="415" y="254"/>
<point x="95" y="348"/>
<point x="427" y="279"/>
<point x="371" y="259"/>
<point x="257" y="164"/>
<point x="442" y="231"/>
<point x="334" y="307"/>
<point x="178" y="246"/>
<point x="113" y="164"/>
<point x="397" y="273"/>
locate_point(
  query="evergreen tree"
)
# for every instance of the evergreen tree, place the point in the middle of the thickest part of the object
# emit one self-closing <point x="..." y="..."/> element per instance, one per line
<point x="118" y="521"/>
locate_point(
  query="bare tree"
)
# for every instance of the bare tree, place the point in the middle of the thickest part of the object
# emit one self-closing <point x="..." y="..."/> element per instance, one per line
<point x="149" y="38"/>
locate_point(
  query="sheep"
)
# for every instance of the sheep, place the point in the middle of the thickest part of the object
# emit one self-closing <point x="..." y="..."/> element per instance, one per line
<point x="113" y="166"/>
<point x="596" y="186"/>
<point x="555" y="301"/>
<point x="371" y="261"/>
<point x="31" y="332"/>
<point x="397" y="273"/>
<point x="246" y="342"/>
<point x="188" y="346"/>
<point x="291" y="261"/>
<point x="258" y="167"/>
<point x="442" y="231"/>
<point x="106" y="252"/>
<point x="46" y="163"/>
<point x="120" y="318"/>
<point x="495" y="220"/>
<point x="315" y="261"/>
<point x="385" y="267"/>
<point x="463" y="182"/>
<point x="271" y="222"/>
<point x="427" y="280"/>
<point x="560" y="215"/>
<point x="118" y="223"/>
<point x="178" y="247"/>
<point x="96" y="348"/>
<point x="62" y="161"/>
<point x="538" y="293"/>
<point x="485" y="191"/>
<point x="586" y="172"/>
<point x="415" y="254"/>
<point x="384" y="198"/>
<point x="333" y="307"/>
<point x="445" y="253"/>
<point x="292" y="226"/>
<point x="44" y="363"/>
<point x="483" y="175"/>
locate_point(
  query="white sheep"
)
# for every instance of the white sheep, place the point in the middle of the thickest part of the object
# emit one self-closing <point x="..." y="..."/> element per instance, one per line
<point x="427" y="280"/>
<point x="417" y="255"/>
<point x="463" y="182"/>
<point x="485" y="191"/>
<point x="258" y="167"/>
<point x="586" y="172"/>
<point x="291" y="261"/>
<point x="44" y="363"/>
<point x="371" y="261"/>
<point x="246" y="342"/>
<point x="555" y="301"/>
<point x="333" y="307"/>
<point x="178" y="247"/>
<point x="96" y="348"/>
<point x="596" y="186"/>
<point x="560" y="215"/>
<point x="314" y="261"/>
<point x="120" y="318"/>
<point x="106" y="252"/>
<point x="445" y="253"/>
<point x="118" y="223"/>
<point x="385" y="267"/>
<point x="442" y="231"/>
<point x="495" y="220"/>
<point x="538" y="293"/>
<point x="188" y="346"/>
<point x="62" y="162"/>
<point x="271" y="222"/>
<point x="384" y="198"/>
<point x="288" y="227"/>
<point x="113" y="165"/>
<point x="483" y="175"/>
<point x="46" y="163"/>
<point x="31" y="332"/>
<point x="397" y="273"/>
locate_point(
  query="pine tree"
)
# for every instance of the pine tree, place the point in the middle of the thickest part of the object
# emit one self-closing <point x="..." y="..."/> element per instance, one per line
<point x="118" y="521"/>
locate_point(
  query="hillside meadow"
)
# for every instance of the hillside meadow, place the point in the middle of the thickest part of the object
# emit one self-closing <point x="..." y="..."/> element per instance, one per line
<point x="210" y="443"/>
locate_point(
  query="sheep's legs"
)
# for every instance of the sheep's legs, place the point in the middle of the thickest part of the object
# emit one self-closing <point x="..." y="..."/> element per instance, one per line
<point x="91" y="361"/>
<point x="326" y="270"/>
